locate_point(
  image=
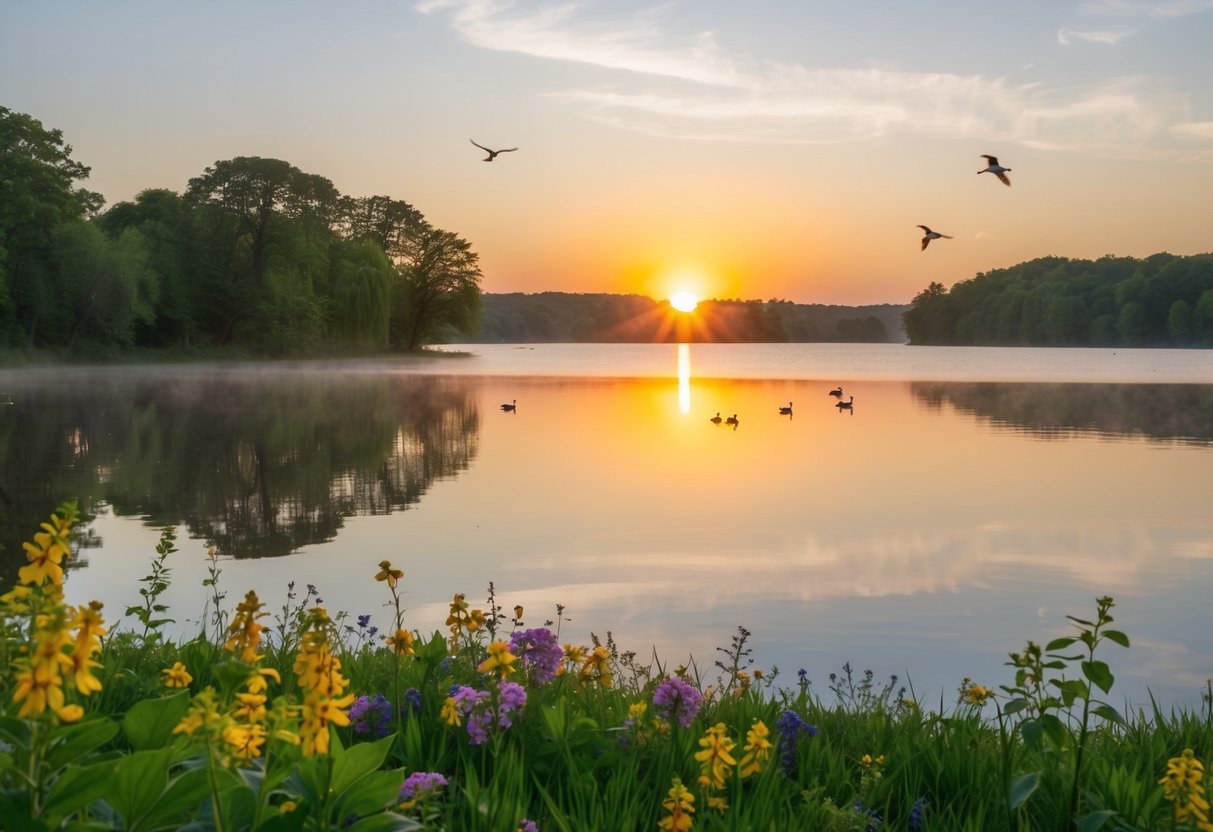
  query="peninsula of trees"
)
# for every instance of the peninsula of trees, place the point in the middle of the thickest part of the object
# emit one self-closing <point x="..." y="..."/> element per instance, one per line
<point x="255" y="254"/>
<point x="1160" y="301"/>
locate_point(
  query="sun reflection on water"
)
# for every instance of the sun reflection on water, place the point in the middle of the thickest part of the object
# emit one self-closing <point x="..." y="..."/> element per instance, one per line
<point x="684" y="378"/>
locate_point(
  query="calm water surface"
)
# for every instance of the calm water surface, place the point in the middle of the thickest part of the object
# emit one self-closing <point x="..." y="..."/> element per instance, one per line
<point x="968" y="502"/>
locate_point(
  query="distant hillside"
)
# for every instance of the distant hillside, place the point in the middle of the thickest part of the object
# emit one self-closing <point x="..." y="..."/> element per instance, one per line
<point x="518" y="318"/>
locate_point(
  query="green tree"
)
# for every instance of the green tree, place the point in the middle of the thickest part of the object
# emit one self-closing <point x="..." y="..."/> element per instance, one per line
<point x="362" y="293"/>
<point x="923" y="320"/>
<point x="37" y="193"/>
<point x="438" y="288"/>
<point x="1180" y="322"/>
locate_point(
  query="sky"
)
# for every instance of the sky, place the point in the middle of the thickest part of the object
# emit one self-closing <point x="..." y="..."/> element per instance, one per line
<point x="729" y="149"/>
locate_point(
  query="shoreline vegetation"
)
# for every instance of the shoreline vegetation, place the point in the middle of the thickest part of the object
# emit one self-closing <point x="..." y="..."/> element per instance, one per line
<point x="305" y="719"/>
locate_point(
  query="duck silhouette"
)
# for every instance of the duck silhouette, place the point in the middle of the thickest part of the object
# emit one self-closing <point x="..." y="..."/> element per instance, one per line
<point x="732" y="420"/>
<point x="715" y="419"/>
<point x="493" y="154"/>
<point x="836" y="392"/>
<point x="931" y="235"/>
<point x="996" y="169"/>
<point x="786" y="411"/>
<point x="511" y="407"/>
<point x="847" y="405"/>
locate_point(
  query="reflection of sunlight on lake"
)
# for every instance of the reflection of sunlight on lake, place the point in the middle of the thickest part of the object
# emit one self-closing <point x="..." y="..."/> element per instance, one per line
<point x="684" y="378"/>
<point x="900" y="536"/>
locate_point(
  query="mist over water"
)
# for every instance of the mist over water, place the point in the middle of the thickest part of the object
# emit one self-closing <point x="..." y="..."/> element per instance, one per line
<point x="926" y="533"/>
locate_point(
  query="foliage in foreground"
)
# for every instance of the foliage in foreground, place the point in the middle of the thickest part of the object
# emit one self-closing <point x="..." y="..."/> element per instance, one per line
<point x="302" y="720"/>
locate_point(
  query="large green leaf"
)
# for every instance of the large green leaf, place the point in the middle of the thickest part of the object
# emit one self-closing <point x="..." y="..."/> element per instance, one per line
<point x="149" y="723"/>
<point x="369" y="794"/>
<point x="1094" y="821"/>
<point x="185" y="792"/>
<point x="350" y="764"/>
<point x="76" y="788"/>
<point x="1099" y="673"/>
<point x="70" y="743"/>
<point x="1021" y="789"/>
<point x="386" y="822"/>
<point x="139" y="779"/>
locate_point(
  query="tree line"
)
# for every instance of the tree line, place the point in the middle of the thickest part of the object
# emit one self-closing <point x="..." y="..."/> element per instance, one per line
<point x="1163" y="300"/>
<point x="254" y="254"/>
<point x="611" y="318"/>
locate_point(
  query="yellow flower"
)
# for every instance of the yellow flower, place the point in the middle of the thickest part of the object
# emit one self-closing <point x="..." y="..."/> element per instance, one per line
<point x="319" y="674"/>
<point x="500" y="659"/>
<point x="287" y="806"/>
<point x="400" y="642"/>
<point x="244" y="741"/>
<point x="757" y="749"/>
<point x="256" y="681"/>
<point x="450" y="712"/>
<point x="680" y="803"/>
<point x="244" y="633"/>
<point x="48" y="550"/>
<point x="203" y="714"/>
<point x="70" y="713"/>
<point x="975" y="694"/>
<point x="637" y="710"/>
<point x="518" y="612"/>
<point x="251" y="708"/>
<point x="387" y="573"/>
<point x="716" y="757"/>
<point x="596" y="667"/>
<point x="718" y="803"/>
<point x="1184" y="786"/>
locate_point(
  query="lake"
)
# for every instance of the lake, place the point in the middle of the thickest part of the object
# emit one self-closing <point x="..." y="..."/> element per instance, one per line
<point x="968" y="502"/>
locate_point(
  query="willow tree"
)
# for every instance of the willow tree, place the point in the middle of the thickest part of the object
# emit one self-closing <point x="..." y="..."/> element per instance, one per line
<point x="361" y="289"/>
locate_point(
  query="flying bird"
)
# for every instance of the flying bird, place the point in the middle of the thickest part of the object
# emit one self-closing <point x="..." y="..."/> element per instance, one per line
<point x="996" y="169"/>
<point x="511" y="407"/>
<point x="931" y="235"/>
<point x="492" y="153"/>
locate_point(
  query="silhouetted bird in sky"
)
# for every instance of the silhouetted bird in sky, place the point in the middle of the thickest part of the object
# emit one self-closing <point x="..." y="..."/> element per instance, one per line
<point x="996" y="169"/>
<point x="931" y="235"/>
<point x="492" y="153"/>
<point x="511" y="407"/>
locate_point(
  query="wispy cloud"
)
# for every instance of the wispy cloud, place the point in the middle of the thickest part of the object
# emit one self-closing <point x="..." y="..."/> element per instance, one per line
<point x="689" y="87"/>
<point x="1067" y="36"/>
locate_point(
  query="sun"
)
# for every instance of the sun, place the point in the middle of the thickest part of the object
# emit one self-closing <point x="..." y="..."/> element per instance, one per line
<point x="684" y="301"/>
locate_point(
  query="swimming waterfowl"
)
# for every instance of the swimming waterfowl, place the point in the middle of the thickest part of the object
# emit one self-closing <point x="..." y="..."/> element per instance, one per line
<point x="996" y="169"/>
<point x="836" y="392"/>
<point x="492" y="153"/>
<point x="847" y="404"/>
<point x="512" y="406"/>
<point x="715" y="419"/>
<point x="786" y="411"/>
<point x="732" y="420"/>
<point x="931" y="235"/>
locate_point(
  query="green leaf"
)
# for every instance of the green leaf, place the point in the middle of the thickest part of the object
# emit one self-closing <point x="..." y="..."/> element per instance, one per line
<point x="1094" y="821"/>
<point x="1110" y="714"/>
<point x="1015" y="706"/>
<point x="1099" y="673"/>
<point x="149" y="723"/>
<point x="1060" y="643"/>
<point x="357" y="761"/>
<point x="1081" y="621"/>
<point x="1022" y="788"/>
<point x="78" y="787"/>
<point x="386" y="822"/>
<point x="184" y="793"/>
<point x="70" y="743"/>
<point x="139" y="780"/>
<point x="15" y="809"/>
<point x="371" y="793"/>
<point x="1032" y="731"/>
<point x="1116" y="636"/>
<point x="1055" y="730"/>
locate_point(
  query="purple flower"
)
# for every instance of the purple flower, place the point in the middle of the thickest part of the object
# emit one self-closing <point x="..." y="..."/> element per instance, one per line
<point x="916" y="814"/>
<point x="539" y="651"/>
<point x="525" y="825"/>
<point x="364" y="621"/>
<point x="677" y="699"/>
<point x="371" y="716"/>
<point x="789" y="727"/>
<point x="414" y="697"/>
<point x="422" y="784"/>
<point x="511" y="696"/>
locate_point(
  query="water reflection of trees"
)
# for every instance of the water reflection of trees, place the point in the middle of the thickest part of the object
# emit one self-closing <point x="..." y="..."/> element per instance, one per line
<point x="259" y="464"/>
<point x="1172" y="412"/>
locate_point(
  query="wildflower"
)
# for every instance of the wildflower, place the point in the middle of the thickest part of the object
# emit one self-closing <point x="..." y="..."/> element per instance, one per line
<point x="69" y="714"/>
<point x="251" y="707"/>
<point x="539" y="653"/>
<point x="518" y="613"/>
<point x="757" y="749"/>
<point x="244" y="633"/>
<point x="244" y="741"/>
<point x="371" y="716"/>
<point x="680" y="803"/>
<point x="387" y="573"/>
<point x="790" y="726"/>
<point x="461" y="620"/>
<point x="39" y="679"/>
<point x="596" y="667"/>
<point x="715" y="758"/>
<point x="525" y="825"/>
<point x="414" y="697"/>
<point x="500" y="659"/>
<point x="1184" y="786"/>
<point x="450" y="713"/>
<point x="400" y="642"/>
<point x="972" y="693"/>
<point x="48" y="550"/>
<point x="319" y="674"/>
<point x="203" y="714"/>
<point x="917" y="813"/>
<point x="573" y="656"/>
<point x="743" y="683"/>
<point x="511" y="697"/>
<point x="364" y="621"/>
<point x="89" y="629"/>
<point x="677" y="700"/>
<point x="420" y="786"/>
<point x="720" y="804"/>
